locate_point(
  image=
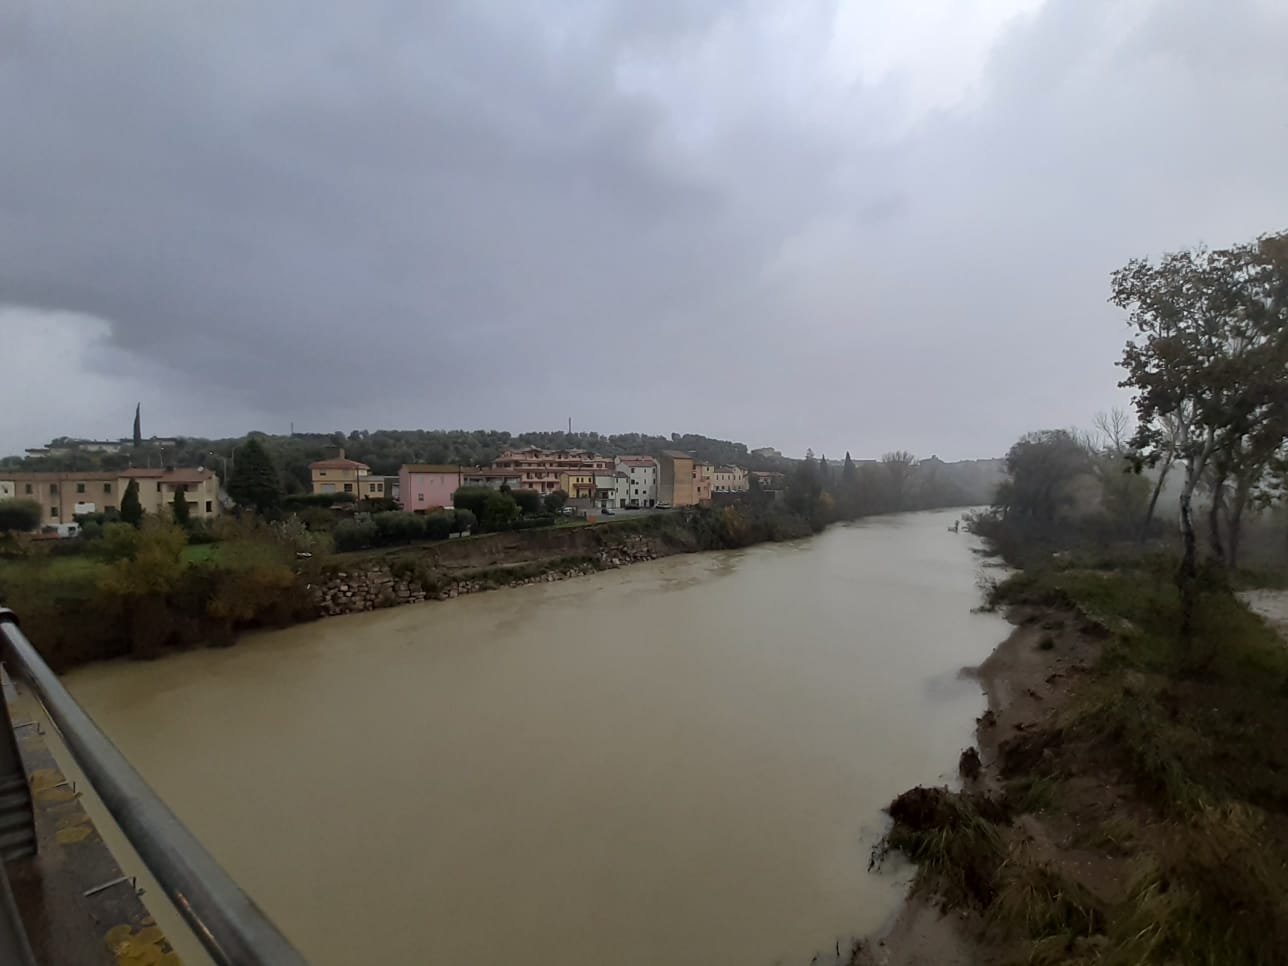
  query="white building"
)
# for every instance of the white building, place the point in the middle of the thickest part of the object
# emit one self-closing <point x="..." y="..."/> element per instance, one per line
<point x="729" y="479"/>
<point x="640" y="487"/>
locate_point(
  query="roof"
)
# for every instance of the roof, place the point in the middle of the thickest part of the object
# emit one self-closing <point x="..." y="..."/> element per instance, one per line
<point x="637" y="460"/>
<point x="178" y="474"/>
<point x="432" y="468"/>
<point x="56" y="476"/>
<point x="336" y="463"/>
<point x="488" y="471"/>
<point x="675" y="454"/>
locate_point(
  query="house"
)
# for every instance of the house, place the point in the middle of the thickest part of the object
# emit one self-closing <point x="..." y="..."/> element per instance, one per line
<point x="541" y="469"/>
<point x="771" y="482"/>
<point x="729" y="479"/>
<point x="200" y="489"/>
<point x="428" y="486"/>
<point x="676" y="478"/>
<point x="641" y="474"/>
<point x="491" y="478"/>
<point x="340" y="475"/>
<point x="578" y="484"/>
<point x="703" y="473"/>
<point x="767" y="453"/>
<point x="606" y="488"/>
<point x="64" y="495"/>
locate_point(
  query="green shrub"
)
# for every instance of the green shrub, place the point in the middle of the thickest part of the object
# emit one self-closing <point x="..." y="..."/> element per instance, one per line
<point x="438" y="526"/>
<point x="354" y="535"/>
<point x="464" y="521"/>
<point x="120" y="541"/>
<point x="299" y="501"/>
<point x="529" y="501"/>
<point x="474" y="499"/>
<point x="20" y="515"/>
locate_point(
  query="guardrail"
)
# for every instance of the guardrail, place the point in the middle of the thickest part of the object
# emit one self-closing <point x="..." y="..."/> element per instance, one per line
<point x="227" y="922"/>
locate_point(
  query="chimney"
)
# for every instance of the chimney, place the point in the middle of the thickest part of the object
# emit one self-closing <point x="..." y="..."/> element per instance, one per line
<point x="339" y="452"/>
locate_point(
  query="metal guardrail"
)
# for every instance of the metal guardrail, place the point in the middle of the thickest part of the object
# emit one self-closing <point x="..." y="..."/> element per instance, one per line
<point x="227" y="922"/>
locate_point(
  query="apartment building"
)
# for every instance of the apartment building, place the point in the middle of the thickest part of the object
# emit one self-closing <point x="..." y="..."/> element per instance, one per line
<point x="541" y="469"/>
<point x="65" y="494"/>
<point x="641" y="481"/>
<point x="491" y="478"/>
<point x="729" y="479"/>
<point x="676" y="478"/>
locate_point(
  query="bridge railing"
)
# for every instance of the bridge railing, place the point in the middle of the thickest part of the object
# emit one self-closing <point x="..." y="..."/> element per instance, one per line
<point x="233" y="929"/>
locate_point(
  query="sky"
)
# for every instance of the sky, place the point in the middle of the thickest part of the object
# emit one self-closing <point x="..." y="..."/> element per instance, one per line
<point x="838" y="224"/>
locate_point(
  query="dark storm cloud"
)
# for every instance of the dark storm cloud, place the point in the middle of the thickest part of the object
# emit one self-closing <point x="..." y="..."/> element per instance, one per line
<point x="655" y="216"/>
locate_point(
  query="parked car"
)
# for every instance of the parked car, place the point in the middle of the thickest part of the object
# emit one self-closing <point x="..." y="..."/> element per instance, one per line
<point x="607" y="512"/>
<point x="661" y="506"/>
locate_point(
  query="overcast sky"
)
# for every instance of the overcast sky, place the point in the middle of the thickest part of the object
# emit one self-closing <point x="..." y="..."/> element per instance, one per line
<point x="844" y="225"/>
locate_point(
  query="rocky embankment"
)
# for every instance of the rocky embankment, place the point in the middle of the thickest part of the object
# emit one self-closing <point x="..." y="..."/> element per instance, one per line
<point x="379" y="585"/>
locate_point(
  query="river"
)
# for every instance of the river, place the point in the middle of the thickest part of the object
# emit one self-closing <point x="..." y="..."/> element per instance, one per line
<point x="679" y="762"/>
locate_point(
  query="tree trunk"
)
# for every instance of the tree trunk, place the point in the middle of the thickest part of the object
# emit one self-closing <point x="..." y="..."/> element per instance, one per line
<point x="1241" y="494"/>
<point x="1214" y="520"/>
<point x="1187" y="574"/>
<point x="1153" y="500"/>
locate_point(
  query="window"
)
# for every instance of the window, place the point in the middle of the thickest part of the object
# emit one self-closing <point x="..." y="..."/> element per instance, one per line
<point x="321" y="472"/>
<point x="28" y="489"/>
<point x="328" y="487"/>
<point x="53" y="511"/>
<point x="80" y="487"/>
<point x="348" y="488"/>
<point x="209" y="506"/>
<point x="109" y="507"/>
<point x="373" y="487"/>
<point x="107" y="487"/>
<point x="420" y="497"/>
<point x="158" y="486"/>
<point x="53" y="489"/>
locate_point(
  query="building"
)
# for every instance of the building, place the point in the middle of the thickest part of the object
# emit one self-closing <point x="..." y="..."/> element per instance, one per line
<point x="641" y="476"/>
<point x="340" y="475"/>
<point x="767" y="453"/>
<point x="578" y="484"/>
<point x="428" y="486"/>
<point x="770" y="482"/>
<point x="675" y="479"/>
<point x="492" y="479"/>
<point x="729" y="479"/>
<point x="63" y="495"/>
<point x="541" y="469"/>
<point x="606" y="488"/>
<point x="703" y="474"/>
<point x="157" y="487"/>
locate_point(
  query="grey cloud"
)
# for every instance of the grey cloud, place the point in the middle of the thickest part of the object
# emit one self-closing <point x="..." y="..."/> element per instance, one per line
<point x="457" y="214"/>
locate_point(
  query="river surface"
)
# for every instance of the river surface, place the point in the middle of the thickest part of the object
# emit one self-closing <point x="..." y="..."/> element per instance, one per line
<point x="679" y="762"/>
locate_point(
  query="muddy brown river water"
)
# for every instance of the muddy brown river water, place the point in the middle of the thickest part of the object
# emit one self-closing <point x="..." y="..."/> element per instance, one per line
<point x="680" y="762"/>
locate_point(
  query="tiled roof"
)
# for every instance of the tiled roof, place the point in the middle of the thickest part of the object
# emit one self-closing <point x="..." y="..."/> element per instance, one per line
<point x="178" y="474"/>
<point x="338" y="464"/>
<point x="433" y="468"/>
<point x="637" y="460"/>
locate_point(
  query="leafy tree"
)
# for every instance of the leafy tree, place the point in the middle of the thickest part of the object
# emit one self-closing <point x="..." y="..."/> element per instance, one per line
<point x="472" y="498"/>
<point x="23" y="515"/>
<point x="179" y="507"/>
<point x="1042" y="468"/>
<point x="555" y="501"/>
<point x="131" y="508"/>
<point x="529" y="501"/>
<point x="120" y="541"/>
<point x="255" y="483"/>
<point x="898" y="467"/>
<point x="499" y="511"/>
<point x="463" y="521"/>
<point x="1207" y="363"/>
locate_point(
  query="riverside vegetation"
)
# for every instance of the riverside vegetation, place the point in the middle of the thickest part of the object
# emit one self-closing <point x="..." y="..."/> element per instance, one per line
<point x="1128" y="802"/>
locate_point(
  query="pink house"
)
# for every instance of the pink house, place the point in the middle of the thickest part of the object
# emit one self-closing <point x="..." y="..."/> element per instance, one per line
<point x="427" y="486"/>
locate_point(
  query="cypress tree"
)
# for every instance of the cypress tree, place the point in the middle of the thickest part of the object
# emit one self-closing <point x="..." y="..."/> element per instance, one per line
<point x="255" y="483"/>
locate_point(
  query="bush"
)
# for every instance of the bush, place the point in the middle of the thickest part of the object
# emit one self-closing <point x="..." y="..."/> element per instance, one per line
<point x="555" y="501"/>
<point x="354" y="535"/>
<point x="439" y="526"/>
<point x="378" y="505"/>
<point x="474" y="499"/>
<point x="21" y="515"/>
<point x="532" y="522"/>
<point x="464" y="521"/>
<point x="529" y="501"/>
<point x="398" y="527"/>
<point x="499" y="511"/>
<point x="298" y="501"/>
<point x="120" y="541"/>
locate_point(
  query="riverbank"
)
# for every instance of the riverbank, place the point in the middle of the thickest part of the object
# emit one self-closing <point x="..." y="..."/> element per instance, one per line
<point x="1129" y="802"/>
<point x="155" y="601"/>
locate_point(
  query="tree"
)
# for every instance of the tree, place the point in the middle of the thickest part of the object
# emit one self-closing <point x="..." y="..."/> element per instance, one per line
<point x="499" y="511"/>
<point x="472" y="498"/>
<point x="22" y="515"/>
<point x="1041" y="469"/>
<point x="555" y="501"/>
<point x="179" y="507"/>
<point x="529" y="501"/>
<point x="255" y="483"/>
<point x="131" y="508"/>
<point x="138" y="425"/>
<point x="898" y="467"/>
<point x="1206" y="362"/>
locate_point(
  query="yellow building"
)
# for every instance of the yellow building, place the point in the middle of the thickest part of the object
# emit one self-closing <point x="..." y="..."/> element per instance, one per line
<point x="675" y="483"/>
<point x="578" y="484"/>
<point x="63" y="495"/>
<point x="340" y="475"/>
